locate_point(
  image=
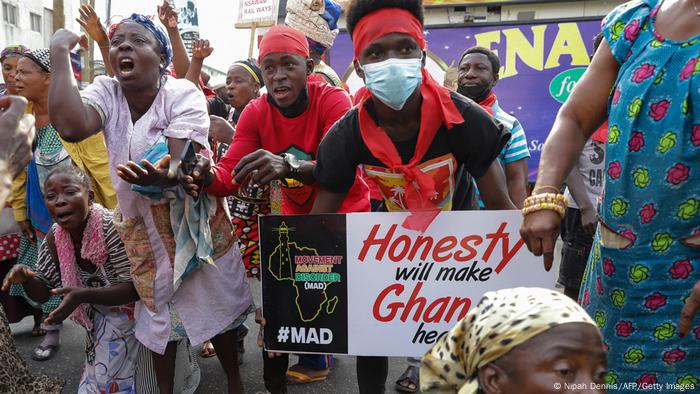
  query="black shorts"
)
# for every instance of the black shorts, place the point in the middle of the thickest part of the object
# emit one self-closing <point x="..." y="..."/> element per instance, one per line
<point x="574" y="254"/>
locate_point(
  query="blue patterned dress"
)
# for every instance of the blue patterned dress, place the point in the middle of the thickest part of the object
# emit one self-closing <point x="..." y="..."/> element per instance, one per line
<point x="652" y="198"/>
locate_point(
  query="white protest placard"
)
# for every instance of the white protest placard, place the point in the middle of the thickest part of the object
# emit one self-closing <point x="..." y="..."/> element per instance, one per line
<point x="187" y="22"/>
<point x="362" y="284"/>
<point x="256" y="12"/>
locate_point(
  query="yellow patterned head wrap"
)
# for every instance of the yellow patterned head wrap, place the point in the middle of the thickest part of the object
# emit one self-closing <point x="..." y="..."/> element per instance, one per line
<point x="501" y="321"/>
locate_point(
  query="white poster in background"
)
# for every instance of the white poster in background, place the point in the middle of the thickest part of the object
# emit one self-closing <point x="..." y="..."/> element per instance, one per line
<point x="262" y="12"/>
<point x="187" y="22"/>
<point x="406" y="288"/>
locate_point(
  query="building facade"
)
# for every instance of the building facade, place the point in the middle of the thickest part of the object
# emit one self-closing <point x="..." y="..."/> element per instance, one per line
<point x="30" y="22"/>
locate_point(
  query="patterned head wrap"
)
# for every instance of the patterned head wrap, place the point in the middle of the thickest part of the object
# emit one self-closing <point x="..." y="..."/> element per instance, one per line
<point x="484" y="335"/>
<point x="317" y="19"/>
<point x="160" y="35"/>
<point x="13" y="51"/>
<point x="252" y="68"/>
<point x="41" y="57"/>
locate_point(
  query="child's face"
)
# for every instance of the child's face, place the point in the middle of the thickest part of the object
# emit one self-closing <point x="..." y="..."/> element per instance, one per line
<point x="67" y="201"/>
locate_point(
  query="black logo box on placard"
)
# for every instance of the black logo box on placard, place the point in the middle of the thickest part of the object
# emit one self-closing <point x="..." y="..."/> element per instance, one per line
<point x="304" y="280"/>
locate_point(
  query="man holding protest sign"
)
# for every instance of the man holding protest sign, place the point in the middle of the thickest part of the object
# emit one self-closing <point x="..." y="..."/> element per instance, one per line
<point x="409" y="133"/>
<point x="277" y="137"/>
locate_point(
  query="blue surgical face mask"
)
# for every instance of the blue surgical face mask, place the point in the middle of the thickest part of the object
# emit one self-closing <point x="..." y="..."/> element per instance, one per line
<point x="393" y="81"/>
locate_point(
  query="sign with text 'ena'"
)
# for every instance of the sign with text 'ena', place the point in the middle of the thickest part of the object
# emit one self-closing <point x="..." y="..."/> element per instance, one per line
<point x="256" y="12"/>
<point x="363" y="285"/>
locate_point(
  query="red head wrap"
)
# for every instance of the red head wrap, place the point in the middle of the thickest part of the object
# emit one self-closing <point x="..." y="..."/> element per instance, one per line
<point x="386" y="21"/>
<point x="437" y="109"/>
<point x="283" y="39"/>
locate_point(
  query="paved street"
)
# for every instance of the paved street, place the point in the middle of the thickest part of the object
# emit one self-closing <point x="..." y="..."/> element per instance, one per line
<point x="67" y="363"/>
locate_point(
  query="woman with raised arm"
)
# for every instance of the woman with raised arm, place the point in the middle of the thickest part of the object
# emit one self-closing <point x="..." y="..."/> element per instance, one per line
<point x="642" y="282"/>
<point x="146" y="114"/>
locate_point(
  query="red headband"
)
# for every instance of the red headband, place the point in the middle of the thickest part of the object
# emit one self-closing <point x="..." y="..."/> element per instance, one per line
<point x="385" y="21"/>
<point x="283" y="39"/>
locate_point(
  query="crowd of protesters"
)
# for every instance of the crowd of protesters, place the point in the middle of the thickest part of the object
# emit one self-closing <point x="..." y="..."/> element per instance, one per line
<point x="135" y="214"/>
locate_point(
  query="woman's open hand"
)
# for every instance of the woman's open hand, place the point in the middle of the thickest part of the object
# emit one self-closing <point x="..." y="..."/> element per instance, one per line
<point x="17" y="275"/>
<point x="72" y="298"/>
<point x="201" y="48"/>
<point x="146" y="174"/>
<point x="92" y="25"/>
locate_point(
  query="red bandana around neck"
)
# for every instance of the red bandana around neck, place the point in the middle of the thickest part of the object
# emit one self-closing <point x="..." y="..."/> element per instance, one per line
<point x="437" y="109"/>
<point x="488" y="102"/>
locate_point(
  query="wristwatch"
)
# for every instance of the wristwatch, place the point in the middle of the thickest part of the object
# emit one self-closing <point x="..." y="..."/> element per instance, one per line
<point x="293" y="164"/>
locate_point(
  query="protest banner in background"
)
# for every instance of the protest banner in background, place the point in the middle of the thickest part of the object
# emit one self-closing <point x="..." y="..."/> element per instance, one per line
<point x="259" y="12"/>
<point x="363" y="285"/>
<point x="187" y="22"/>
<point x="540" y="65"/>
<point x="253" y="14"/>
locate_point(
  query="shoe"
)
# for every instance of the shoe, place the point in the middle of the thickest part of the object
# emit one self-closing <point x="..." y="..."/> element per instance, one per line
<point x="297" y="374"/>
<point x="44" y="352"/>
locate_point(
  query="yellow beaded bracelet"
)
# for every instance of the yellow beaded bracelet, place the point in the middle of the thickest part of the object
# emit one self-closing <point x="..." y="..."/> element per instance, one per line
<point x="551" y="201"/>
<point x="555" y="198"/>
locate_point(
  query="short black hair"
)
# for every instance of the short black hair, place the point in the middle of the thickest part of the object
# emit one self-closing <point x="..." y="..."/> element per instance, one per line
<point x="495" y="61"/>
<point x="72" y="172"/>
<point x="359" y="8"/>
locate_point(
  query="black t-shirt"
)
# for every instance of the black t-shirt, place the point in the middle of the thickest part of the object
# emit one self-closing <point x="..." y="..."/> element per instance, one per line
<point x="469" y="147"/>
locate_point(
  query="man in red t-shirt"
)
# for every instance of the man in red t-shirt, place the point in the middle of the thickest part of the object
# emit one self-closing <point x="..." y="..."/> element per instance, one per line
<point x="277" y="137"/>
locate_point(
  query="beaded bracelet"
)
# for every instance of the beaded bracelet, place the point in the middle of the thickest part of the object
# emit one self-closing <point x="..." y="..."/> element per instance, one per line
<point x="556" y="198"/>
<point x="545" y="205"/>
<point x="551" y="201"/>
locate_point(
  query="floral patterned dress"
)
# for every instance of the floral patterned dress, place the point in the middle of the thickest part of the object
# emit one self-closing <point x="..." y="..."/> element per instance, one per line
<point x="652" y="199"/>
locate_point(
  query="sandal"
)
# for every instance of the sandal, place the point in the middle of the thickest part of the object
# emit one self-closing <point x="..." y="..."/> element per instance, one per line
<point x="207" y="350"/>
<point x="44" y="352"/>
<point x="408" y="379"/>
<point x="297" y="374"/>
<point x="37" y="331"/>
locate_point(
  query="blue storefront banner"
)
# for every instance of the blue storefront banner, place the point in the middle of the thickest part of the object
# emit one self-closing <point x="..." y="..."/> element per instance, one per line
<point x="540" y="65"/>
